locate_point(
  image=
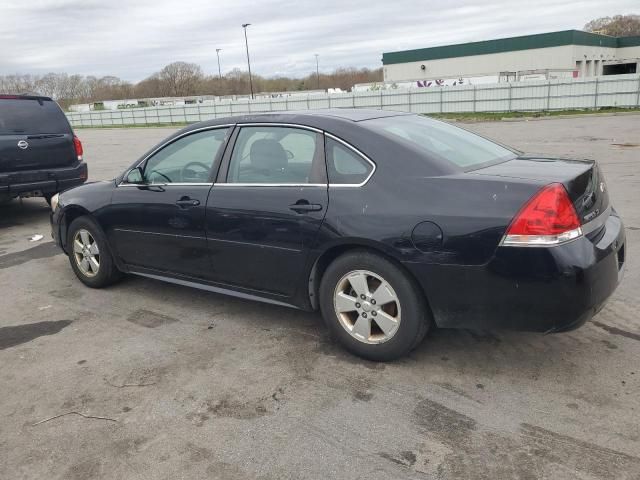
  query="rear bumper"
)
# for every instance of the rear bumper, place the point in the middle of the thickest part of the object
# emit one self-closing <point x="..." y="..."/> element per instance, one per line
<point x="46" y="181"/>
<point x="533" y="289"/>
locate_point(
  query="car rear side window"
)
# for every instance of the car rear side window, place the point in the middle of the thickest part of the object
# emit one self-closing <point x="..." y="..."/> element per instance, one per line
<point x="442" y="140"/>
<point x="344" y="166"/>
<point x="31" y="116"/>
<point x="277" y="155"/>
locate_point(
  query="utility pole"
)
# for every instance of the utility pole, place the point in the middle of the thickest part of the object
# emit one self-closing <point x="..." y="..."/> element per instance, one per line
<point x="246" y="43"/>
<point x="317" y="71"/>
<point x="218" y="50"/>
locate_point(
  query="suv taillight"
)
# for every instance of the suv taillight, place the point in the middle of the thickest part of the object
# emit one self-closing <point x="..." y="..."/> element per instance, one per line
<point x="78" y="146"/>
<point x="547" y="219"/>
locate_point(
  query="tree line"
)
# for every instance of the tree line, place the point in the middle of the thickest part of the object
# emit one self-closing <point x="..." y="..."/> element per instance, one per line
<point x="616" y="26"/>
<point x="177" y="79"/>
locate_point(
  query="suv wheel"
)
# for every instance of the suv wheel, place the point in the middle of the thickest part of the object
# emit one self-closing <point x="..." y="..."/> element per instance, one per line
<point x="372" y="307"/>
<point x="89" y="254"/>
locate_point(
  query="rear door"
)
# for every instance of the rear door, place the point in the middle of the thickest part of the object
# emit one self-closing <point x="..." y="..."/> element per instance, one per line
<point x="34" y="135"/>
<point x="264" y="213"/>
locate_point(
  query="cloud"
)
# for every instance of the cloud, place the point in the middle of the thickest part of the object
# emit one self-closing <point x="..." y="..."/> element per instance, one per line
<point x="134" y="39"/>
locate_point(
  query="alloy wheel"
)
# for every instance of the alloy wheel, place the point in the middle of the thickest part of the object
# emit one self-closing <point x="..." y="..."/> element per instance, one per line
<point x="367" y="306"/>
<point x="86" y="253"/>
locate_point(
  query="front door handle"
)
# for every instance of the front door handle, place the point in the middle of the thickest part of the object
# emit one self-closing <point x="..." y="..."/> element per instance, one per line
<point x="303" y="206"/>
<point x="186" y="202"/>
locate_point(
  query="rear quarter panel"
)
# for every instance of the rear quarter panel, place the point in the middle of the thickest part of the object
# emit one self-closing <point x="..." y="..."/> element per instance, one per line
<point x="472" y="213"/>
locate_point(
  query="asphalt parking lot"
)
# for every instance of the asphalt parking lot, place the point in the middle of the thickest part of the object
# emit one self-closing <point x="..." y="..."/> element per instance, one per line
<point x="169" y="382"/>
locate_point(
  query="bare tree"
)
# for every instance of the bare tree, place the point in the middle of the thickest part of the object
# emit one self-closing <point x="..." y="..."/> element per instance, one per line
<point x="150" y="87"/>
<point x="616" y="26"/>
<point x="181" y="78"/>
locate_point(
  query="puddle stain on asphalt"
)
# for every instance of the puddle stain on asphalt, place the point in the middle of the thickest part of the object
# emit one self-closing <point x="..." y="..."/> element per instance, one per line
<point x="19" y="334"/>
<point x="149" y="319"/>
<point x="524" y="454"/>
<point x="44" y="250"/>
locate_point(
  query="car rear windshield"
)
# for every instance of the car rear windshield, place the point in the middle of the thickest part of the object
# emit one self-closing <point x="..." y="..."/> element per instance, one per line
<point x="439" y="139"/>
<point x="31" y="116"/>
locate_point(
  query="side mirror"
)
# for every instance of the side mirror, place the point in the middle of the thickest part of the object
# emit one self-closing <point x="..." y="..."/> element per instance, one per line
<point x="135" y="176"/>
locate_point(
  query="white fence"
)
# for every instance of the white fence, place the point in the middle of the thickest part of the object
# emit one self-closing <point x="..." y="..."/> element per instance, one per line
<point x="562" y="94"/>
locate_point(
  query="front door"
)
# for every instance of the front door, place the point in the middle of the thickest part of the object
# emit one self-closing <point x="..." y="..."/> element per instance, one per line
<point x="159" y="223"/>
<point x="264" y="214"/>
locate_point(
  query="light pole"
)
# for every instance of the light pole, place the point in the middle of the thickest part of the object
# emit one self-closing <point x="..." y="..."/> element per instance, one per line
<point x="317" y="71"/>
<point x="246" y="43"/>
<point x="218" y="50"/>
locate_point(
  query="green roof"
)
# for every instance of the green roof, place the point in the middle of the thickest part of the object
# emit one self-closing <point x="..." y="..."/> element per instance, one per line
<point x="501" y="45"/>
<point x="629" y="41"/>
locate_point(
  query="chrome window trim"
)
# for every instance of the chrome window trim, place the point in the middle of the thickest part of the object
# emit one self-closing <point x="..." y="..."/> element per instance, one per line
<point x="160" y="147"/>
<point x="280" y="124"/>
<point x="324" y="185"/>
<point x="259" y="124"/>
<point x="360" y="154"/>
<point x="313" y="129"/>
<point x="177" y="184"/>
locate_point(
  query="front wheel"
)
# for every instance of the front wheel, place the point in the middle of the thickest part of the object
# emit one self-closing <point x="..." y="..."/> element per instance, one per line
<point x="89" y="254"/>
<point x="372" y="306"/>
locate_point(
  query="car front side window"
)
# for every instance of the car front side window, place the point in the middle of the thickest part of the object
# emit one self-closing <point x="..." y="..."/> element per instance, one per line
<point x="188" y="159"/>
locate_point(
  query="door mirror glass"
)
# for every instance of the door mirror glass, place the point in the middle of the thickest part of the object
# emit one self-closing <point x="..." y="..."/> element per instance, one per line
<point x="135" y="176"/>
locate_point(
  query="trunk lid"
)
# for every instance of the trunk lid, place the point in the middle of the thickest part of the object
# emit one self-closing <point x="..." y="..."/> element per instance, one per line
<point x="582" y="179"/>
<point x="34" y="135"/>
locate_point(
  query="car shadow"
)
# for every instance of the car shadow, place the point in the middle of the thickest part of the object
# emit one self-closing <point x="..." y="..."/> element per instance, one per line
<point x="20" y="212"/>
<point x="457" y="349"/>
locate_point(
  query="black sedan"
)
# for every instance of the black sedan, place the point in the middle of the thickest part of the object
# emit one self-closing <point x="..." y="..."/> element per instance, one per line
<point x="388" y="223"/>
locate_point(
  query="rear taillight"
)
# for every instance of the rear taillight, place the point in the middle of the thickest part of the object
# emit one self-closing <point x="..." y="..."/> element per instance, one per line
<point x="547" y="219"/>
<point x="78" y="146"/>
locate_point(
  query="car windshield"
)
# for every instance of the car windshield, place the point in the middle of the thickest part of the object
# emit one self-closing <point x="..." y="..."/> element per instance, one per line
<point x="31" y="116"/>
<point x="455" y="145"/>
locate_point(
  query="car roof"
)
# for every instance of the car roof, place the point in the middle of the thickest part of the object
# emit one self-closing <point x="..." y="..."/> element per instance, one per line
<point x="315" y="118"/>
<point x="26" y="96"/>
<point x="353" y="114"/>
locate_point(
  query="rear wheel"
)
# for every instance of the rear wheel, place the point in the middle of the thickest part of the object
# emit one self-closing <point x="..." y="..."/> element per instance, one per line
<point x="372" y="306"/>
<point x="89" y="254"/>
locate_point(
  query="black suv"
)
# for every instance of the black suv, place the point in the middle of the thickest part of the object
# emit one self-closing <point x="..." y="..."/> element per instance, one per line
<point x="39" y="153"/>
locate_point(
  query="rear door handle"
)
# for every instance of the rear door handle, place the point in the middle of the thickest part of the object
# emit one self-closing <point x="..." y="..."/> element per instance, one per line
<point x="305" y="207"/>
<point x="186" y="202"/>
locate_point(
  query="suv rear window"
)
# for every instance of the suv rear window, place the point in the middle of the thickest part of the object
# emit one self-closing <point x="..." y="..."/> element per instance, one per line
<point x="31" y="116"/>
<point x="439" y="139"/>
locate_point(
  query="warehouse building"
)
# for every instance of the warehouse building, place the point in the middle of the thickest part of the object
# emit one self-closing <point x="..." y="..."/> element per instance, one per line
<point x="569" y="53"/>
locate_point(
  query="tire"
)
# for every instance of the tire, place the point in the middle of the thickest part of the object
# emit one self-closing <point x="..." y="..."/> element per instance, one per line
<point x="87" y="233"/>
<point x="47" y="198"/>
<point x="355" y="322"/>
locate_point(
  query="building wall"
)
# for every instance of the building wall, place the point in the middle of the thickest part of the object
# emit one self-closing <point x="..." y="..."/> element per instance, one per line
<point x="479" y="65"/>
<point x="587" y="60"/>
<point x="631" y="53"/>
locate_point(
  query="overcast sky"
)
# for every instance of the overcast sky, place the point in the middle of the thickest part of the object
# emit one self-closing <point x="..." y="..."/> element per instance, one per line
<point x="133" y="39"/>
